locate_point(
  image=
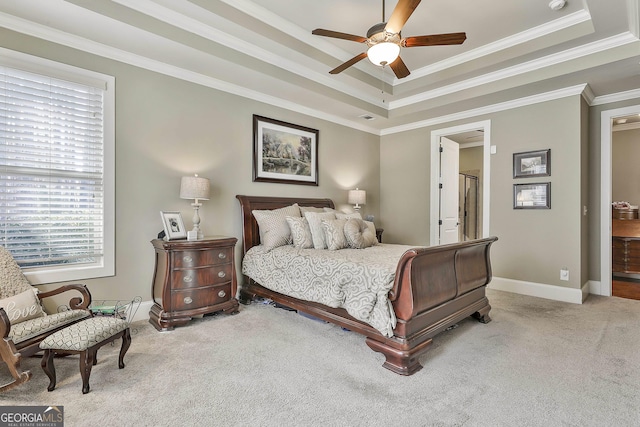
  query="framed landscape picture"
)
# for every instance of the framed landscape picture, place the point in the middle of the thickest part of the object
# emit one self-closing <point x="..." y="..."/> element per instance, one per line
<point x="532" y="196"/>
<point x="284" y="152"/>
<point x="532" y="163"/>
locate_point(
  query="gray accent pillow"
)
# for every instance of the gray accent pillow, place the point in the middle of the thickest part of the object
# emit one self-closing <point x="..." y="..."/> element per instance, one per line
<point x="315" y="224"/>
<point x="358" y="234"/>
<point x="334" y="234"/>
<point x="273" y="226"/>
<point x="300" y="232"/>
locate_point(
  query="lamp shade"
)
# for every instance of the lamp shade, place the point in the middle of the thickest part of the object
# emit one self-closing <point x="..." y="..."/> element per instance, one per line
<point x="194" y="187"/>
<point x="357" y="197"/>
<point x="383" y="53"/>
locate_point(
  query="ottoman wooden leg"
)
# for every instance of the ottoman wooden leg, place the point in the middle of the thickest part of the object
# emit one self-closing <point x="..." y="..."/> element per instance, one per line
<point x="86" y="363"/>
<point x="126" y="342"/>
<point x="49" y="368"/>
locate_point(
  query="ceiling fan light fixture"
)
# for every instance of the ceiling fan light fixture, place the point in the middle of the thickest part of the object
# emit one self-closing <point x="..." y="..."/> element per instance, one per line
<point x="383" y="53"/>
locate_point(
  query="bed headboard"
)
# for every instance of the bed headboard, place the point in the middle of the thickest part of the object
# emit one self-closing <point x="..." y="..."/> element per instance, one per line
<point x="250" y="232"/>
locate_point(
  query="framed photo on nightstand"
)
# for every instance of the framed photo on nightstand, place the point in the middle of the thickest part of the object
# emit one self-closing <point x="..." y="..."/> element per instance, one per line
<point x="173" y="225"/>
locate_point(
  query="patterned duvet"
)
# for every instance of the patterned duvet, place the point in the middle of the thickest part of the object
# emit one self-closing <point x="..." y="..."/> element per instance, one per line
<point x="357" y="280"/>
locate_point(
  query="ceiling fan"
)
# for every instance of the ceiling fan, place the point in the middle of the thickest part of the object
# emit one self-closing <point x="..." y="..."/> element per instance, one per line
<point x="384" y="40"/>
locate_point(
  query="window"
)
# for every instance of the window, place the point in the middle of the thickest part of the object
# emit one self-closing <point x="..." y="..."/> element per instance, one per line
<point x="56" y="168"/>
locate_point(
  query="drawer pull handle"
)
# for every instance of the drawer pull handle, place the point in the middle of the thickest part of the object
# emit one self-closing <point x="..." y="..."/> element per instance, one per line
<point x="187" y="259"/>
<point x="187" y="279"/>
<point x="188" y="300"/>
<point x="222" y="294"/>
<point x="221" y="274"/>
<point x="222" y="255"/>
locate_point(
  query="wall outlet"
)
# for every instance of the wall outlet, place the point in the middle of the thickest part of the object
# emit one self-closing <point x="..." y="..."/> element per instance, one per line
<point x="564" y="274"/>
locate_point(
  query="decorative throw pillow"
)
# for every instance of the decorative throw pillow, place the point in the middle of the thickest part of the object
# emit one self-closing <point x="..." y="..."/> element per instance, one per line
<point x="315" y="224"/>
<point x="359" y="234"/>
<point x="274" y="229"/>
<point x="351" y="215"/>
<point x="334" y="233"/>
<point x="372" y="228"/>
<point x="300" y="232"/>
<point x="23" y="306"/>
<point x="304" y="209"/>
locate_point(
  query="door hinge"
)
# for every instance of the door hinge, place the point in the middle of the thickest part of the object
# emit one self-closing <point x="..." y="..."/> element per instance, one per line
<point x="441" y="149"/>
<point x="440" y="186"/>
<point x="439" y="222"/>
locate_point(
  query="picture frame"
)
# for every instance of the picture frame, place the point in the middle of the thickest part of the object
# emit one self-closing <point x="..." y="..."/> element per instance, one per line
<point x="531" y="164"/>
<point x="174" y="228"/>
<point x="284" y="152"/>
<point x="532" y="196"/>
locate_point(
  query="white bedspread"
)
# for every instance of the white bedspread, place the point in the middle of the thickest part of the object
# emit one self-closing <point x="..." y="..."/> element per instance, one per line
<point x="357" y="280"/>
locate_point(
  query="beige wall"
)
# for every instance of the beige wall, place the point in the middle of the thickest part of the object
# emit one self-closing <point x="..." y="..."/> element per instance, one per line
<point x="167" y="128"/>
<point x="534" y="244"/>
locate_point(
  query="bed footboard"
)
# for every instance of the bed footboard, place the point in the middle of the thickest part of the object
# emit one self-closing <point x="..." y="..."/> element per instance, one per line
<point x="435" y="288"/>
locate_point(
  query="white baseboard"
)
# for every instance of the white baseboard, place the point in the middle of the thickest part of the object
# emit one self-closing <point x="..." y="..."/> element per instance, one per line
<point x="143" y="311"/>
<point x="595" y="287"/>
<point x="540" y="290"/>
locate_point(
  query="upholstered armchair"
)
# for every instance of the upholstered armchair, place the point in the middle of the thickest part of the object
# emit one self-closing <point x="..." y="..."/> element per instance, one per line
<point x="23" y="321"/>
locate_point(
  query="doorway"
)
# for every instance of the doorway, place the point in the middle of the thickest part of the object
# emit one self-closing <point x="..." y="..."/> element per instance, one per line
<point x="606" y="167"/>
<point x="484" y="128"/>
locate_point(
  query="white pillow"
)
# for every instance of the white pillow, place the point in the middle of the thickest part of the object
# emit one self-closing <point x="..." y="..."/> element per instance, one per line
<point x="300" y="232"/>
<point x="304" y="209"/>
<point x="23" y="306"/>
<point x="273" y="226"/>
<point x="351" y="215"/>
<point x="315" y="224"/>
<point x="359" y="234"/>
<point x="334" y="233"/>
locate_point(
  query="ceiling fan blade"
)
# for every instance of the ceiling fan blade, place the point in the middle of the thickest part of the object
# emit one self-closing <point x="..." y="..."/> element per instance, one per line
<point x="399" y="68"/>
<point x="338" y="35"/>
<point x="400" y="15"/>
<point x="349" y="63"/>
<point x="434" y="40"/>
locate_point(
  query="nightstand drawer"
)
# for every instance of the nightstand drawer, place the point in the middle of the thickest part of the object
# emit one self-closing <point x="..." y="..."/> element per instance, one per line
<point x="198" y="277"/>
<point x="190" y="259"/>
<point x="196" y="298"/>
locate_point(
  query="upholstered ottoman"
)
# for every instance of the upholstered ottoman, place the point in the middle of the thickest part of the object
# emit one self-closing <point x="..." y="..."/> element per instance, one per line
<point x="84" y="338"/>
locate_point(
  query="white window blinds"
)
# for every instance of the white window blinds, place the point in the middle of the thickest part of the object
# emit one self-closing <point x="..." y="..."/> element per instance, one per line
<point x="51" y="170"/>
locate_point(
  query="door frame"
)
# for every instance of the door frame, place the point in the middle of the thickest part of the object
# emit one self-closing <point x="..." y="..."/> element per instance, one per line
<point x="606" y="170"/>
<point x="485" y="125"/>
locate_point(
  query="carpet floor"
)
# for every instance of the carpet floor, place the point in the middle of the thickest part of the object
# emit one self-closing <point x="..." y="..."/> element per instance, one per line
<point x="538" y="363"/>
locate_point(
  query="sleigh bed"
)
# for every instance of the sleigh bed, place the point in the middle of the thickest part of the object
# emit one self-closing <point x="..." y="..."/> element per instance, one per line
<point x="432" y="289"/>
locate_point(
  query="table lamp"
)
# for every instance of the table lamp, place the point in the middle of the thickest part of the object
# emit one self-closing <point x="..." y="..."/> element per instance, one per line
<point x="196" y="188"/>
<point x="357" y="197"/>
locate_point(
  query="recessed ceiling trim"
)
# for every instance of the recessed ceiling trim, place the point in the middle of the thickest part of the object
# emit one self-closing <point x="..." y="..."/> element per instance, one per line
<point x="625" y="126"/>
<point x="494" y="108"/>
<point x="616" y="97"/>
<point x="275" y="21"/>
<point x="505" y="43"/>
<point x="200" y="29"/>
<point x="526" y="67"/>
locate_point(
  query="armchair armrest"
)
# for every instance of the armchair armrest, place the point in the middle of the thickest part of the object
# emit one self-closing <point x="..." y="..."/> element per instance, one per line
<point x="75" y="303"/>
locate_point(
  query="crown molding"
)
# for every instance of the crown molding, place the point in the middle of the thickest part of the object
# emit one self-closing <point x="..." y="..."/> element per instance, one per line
<point x="616" y="97"/>
<point x="505" y="43"/>
<point x="526" y="67"/>
<point x="494" y="108"/>
<point x="201" y="29"/>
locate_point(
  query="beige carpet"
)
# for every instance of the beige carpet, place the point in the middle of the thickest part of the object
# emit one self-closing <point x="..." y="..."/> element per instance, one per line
<point x="539" y="363"/>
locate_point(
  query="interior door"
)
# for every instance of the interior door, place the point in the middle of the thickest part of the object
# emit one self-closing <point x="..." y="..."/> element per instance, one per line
<point x="449" y="212"/>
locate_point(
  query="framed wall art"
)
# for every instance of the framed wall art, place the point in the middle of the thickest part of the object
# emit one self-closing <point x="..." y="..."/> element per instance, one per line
<point x="284" y="152"/>
<point x="532" y="196"/>
<point x="173" y="225"/>
<point x="532" y="163"/>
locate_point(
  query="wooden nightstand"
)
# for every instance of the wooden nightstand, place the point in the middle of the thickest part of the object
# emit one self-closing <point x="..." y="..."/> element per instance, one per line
<point x="191" y="279"/>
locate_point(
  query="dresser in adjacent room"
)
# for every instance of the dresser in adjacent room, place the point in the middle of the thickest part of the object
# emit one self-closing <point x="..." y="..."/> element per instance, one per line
<point x="192" y="278"/>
